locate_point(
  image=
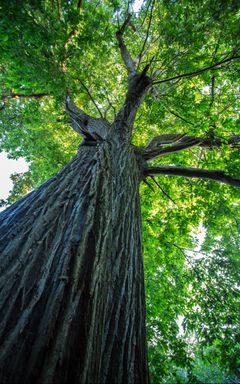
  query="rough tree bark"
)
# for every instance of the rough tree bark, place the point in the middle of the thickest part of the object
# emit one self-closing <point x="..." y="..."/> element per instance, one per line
<point x="72" y="285"/>
<point x="72" y="288"/>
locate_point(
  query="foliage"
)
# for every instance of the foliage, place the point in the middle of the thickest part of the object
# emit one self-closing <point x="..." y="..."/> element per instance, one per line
<point x="61" y="47"/>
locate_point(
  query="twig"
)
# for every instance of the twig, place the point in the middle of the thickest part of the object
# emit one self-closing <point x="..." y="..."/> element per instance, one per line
<point x="161" y="189"/>
<point x="149" y="46"/>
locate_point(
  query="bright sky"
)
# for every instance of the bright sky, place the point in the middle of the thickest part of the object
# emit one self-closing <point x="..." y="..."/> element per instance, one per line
<point x="137" y="5"/>
<point x="8" y="167"/>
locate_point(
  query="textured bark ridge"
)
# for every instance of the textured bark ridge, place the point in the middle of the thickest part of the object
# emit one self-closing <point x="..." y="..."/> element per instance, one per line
<point x="71" y="286"/>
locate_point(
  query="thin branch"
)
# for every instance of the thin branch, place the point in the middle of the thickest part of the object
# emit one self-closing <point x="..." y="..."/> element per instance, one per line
<point x="59" y="9"/>
<point x="148" y="184"/>
<point x="149" y="46"/>
<point x="162" y="190"/>
<point x="198" y="72"/>
<point x="123" y="49"/>
<point x="79" y="5"/>
<point x="216" y="175"/>
<point x="92" y="99"/>
<point x="228" y="106"/>
<point x="212" y="91"/>
<point x="147" y="34"/>
<point x="145" y="16"/>
<point x="166" y="64"/>
<point x="180" y="117"/>
<point x="110" y="106"/>
<point x="106" y="111"/>
<point x="163" y="92"/>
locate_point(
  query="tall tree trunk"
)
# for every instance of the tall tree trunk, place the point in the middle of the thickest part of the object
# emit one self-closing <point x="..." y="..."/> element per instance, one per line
<point x="71" y="287"/>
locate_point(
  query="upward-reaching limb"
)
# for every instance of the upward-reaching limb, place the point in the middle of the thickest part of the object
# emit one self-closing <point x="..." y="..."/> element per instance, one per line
<point x="138" y="85"/>
<point x="124" y="51"/>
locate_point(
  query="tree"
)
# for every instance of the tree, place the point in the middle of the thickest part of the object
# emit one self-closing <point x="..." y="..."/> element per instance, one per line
<point x="72" y="284"/>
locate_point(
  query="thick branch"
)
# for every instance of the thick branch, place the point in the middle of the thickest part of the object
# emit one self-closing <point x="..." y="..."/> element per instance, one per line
<point x="124" y="51"/>
<point x="78" y="117"/>
<point x="13" y="95"/>
<point x="187" y="142"/>
<point x="155" y="147"/>
<point x="90" y="128"/>
<point x="198" y="72"/>
<point x="216" y="175"/>
<point x="137" y="90"/>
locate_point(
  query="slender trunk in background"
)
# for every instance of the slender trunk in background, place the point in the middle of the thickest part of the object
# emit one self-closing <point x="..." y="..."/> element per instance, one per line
<point x="72" y="287"/>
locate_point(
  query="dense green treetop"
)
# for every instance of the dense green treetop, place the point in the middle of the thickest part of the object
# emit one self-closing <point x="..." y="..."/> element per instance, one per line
<point x="53" y="48"/>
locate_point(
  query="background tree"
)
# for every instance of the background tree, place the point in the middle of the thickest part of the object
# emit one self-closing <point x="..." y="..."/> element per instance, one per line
<point x="185" y="56"/>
